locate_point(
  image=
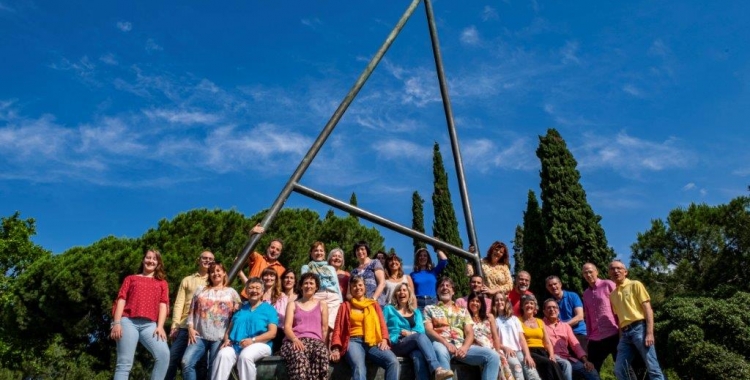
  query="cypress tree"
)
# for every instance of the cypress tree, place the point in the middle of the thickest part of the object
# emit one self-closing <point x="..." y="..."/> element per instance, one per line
<point x="445" y="224"/>
<point x="518" y="249"/>
<point x="534" y="260"/>
<point x="417" y="218"/>
<point x="573" y="235"/>
<point x="353" y="202"/>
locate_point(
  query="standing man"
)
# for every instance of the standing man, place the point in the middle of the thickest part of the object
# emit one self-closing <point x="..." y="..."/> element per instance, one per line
<point x="570" y="308"/>
<point x="476" y="283"/>
<point x="603" y="333"/>
<point x="632" y="305"/>
<point x="520" y="289"/>
<point x="179" y="332"/>
<point x="258" y="262"/>
<point x="563" y="341"/>
<point x="451" y="330"/>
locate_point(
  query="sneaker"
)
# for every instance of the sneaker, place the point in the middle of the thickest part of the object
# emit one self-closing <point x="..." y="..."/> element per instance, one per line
<point x="442" y="374"/>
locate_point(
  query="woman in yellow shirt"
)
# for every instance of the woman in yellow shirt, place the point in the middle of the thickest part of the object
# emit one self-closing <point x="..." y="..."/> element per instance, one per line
<point x="540" y="347"/>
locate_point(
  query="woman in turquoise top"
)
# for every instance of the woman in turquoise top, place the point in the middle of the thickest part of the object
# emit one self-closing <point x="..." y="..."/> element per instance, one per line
<point x="329" y="291"/>
<point x="249" y="336"/>
<point x="407" y="335"/>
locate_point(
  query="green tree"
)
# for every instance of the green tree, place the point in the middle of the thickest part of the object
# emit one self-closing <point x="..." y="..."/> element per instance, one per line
<point x="445" y="224"/>
<point x="518" y="250"/>
<point x="534" y="253"/>
<point x="417" y="219"/>
<point x="573" y="235"/>
<point x="353" y="202"/>
<point x="700" y="249"/>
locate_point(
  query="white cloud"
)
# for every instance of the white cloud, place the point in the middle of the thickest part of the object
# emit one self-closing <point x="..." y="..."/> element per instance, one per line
<point x="152" y="46"/>
<point x="632" y="90"/>
<point x="124" y="26"/>
<point x="659" y="48"/>
<point x="565" y="118"/>
<point x="395" y="149"/>
<point x="630" y="155"/>
<point x="182" y="116"/>
<point x="489" y="13"/>
<point x="689" y="186"/>
<point x="568" y="53"/>
<point x="470" y="36"/>
<point x="311" y="22"/>
<point x="109" y="59"/>
<point x="484" y="154"/>
<point x="83" y="68"/>
<point x="626" y="198"/>
<point x="703" y="192"/>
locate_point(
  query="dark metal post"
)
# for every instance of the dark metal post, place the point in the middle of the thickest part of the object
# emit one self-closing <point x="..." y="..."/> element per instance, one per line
<point x="387" y="223"/>
<point x="322" y="137"/>
<point x="469" y="218"/>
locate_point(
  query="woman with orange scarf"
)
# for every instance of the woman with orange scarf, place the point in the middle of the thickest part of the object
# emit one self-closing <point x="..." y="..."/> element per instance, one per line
<point x="360" y="333"/>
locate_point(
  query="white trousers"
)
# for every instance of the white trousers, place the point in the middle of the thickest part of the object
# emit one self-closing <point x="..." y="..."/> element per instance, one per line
<point x="227" y="358"/>
<point x="333" y="301"/>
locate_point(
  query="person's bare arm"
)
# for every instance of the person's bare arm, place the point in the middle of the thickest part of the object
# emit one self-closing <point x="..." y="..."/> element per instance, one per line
<point x="577" y="317"/>
<point x="380" y="279"/>
<point x="116" y="332"/>
<point x="649" y="313"/>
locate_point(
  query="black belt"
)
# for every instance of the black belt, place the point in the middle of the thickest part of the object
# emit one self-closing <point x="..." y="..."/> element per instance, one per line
<point x="632" y="325"/>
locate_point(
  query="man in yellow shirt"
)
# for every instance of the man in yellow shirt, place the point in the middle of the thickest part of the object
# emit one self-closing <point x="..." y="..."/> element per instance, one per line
<point x="632" y="305"/>
<point x="179" y="332"/>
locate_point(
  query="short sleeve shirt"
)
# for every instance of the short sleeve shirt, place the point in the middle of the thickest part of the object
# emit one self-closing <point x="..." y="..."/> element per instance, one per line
<point x="567" y="305"/>
<point x="627" y="302"/>
<point x="448" y="321"/>
<point x="142" y="296"/>
<point x="248" y="323"/>
<point x="368" y="273"/>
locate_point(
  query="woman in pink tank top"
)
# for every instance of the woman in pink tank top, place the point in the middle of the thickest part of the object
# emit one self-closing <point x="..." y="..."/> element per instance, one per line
<point x="305" y="348"/>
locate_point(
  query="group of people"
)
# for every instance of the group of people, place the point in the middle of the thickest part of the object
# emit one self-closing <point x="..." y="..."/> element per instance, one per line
<point x="377" y="313"/>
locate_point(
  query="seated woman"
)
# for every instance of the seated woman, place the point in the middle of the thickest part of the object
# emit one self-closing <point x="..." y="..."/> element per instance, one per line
<point x="540" y="347"/>
<point x="512" y="340"/>
<point x="272" y="295"/>
<point x="406" y="331"/>
<point x="360" y="333"/>
<point x="305" y="349"/>
<point x="289" y="285"/>
<point x="211" y="310"/>
<point x="485" y="331"/>
<point x="140" y="312"/>
<point x="336" y="260"/>
<point x="328" y="286"/>
<point x="249" y="336"/>
<point x="496" y="270"/>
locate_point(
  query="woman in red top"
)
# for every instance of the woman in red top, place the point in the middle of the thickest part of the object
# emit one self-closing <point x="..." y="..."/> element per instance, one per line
<point x="140" y="312"/>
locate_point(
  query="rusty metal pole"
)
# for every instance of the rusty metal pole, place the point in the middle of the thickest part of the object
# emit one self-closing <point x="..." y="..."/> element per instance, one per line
<point x="322" y="137"/>
<point x="468" y="217"/>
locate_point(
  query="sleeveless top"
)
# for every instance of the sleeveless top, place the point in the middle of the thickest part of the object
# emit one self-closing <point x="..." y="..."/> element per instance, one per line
<point x="390" y="289"/>
<point x="307" y="324"/>
<point x="534" y="336"/>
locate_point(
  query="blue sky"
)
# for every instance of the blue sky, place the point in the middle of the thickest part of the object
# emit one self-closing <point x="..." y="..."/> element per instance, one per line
<point x="116" y="115"/>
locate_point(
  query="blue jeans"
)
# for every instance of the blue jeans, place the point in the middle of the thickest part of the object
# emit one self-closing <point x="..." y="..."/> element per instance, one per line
<point x="485" y="357"/>
<point x="193" y="355"/>
<point x="569" y="367"/>
<point x="176" y="352"/>
<point x="423" y="301"/>
<point x="358" y="351"/>
<point x="632" y="342"/>
<point x="140" y="330"/>
<point x="419" y="348"/>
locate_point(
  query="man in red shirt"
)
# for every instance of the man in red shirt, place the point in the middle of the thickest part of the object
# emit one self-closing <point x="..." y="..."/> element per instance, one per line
<point x="520" y="289"/>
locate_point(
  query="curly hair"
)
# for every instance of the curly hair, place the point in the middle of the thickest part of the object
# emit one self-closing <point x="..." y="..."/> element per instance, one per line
<point x="497" y="245"/>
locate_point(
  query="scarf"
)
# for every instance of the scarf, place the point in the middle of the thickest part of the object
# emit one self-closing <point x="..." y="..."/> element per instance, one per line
<point x="321" y="268"/>
<point x="371" y="325"/>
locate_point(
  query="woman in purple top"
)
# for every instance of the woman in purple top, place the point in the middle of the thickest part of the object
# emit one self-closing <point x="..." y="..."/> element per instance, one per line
<point x="425" y="275"/>
<point x="305" y="348"/>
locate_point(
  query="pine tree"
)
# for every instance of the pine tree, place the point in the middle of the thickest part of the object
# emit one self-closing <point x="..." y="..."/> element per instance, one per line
<point x="445" y="225"/>
<point x="573" y="235"/>
<point x="353" y="202"/>
<point x="518" y="249"/>
<point x="417" y="218"/>
<point x="534" y="260"/>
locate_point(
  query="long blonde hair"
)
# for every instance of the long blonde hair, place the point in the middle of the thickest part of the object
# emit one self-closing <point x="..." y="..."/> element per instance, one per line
<point x="410" y="302"/>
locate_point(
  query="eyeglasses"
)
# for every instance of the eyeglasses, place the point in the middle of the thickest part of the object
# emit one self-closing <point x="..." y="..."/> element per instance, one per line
<point x="207" y="259"/>
<point x="550" y="307"/>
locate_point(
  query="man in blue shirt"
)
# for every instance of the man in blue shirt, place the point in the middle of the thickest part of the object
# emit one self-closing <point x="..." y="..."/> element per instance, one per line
<point x="571" y="308"/>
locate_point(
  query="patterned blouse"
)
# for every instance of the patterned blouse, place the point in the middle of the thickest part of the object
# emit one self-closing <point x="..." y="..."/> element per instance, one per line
<point x="371" y="283"/>
<point x="483" y="334"/>
<point x="211" y="310"/>
<point x="496" y="276"/>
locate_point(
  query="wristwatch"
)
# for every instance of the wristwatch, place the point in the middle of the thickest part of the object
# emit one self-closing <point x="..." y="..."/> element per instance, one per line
<point x="252" y="339"/>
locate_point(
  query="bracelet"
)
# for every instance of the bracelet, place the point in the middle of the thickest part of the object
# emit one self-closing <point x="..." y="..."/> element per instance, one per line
<point x="114" y="323"/>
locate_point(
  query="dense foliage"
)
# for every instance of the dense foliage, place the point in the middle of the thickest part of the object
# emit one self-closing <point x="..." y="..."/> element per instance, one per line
<point x="417" y="219"/>
<point x="445" y="224"/>
<point x="573" y="235"/>
<point x="533" y="245"/>
<point x="56" y="310"/>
